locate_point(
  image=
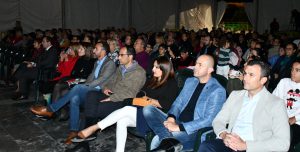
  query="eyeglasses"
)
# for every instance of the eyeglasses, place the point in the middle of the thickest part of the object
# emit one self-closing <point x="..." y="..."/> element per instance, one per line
<point x="121" y="55"/>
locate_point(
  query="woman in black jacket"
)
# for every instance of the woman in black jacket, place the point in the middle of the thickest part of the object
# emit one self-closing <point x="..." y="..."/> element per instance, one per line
<point x="82" y="68"/>
<point x="160" y="92"/>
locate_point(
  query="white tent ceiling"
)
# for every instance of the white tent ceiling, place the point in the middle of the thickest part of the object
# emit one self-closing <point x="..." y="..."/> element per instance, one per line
<point x="149" y="15"/>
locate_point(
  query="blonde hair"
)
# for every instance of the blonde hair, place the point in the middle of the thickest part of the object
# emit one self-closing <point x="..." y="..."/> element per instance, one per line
<point x="115" y="43"/>
<point x="75" y="47"/>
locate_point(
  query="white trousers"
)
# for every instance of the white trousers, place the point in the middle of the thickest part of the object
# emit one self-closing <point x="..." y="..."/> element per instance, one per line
<point x="124" y="117"/>
<point x="223" y="70"/>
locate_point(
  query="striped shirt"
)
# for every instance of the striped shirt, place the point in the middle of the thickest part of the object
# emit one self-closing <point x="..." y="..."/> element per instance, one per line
<point x="223" y="58"/>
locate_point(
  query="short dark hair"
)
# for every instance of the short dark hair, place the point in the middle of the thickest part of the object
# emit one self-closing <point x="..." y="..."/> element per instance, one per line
<point x="38" y="40"/>
<point x="297" y="61"/>
<point x="265" y="68"/>
<point x="163" y="46"/>
<point x="292" y="44"/>
<point x="49" y="39"/>
<point x="105" y="46"/>
<point x="184" y="49"/>
<point x="130" y="51"/>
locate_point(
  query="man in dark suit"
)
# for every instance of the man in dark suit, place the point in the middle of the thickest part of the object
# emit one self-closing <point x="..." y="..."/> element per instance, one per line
<point x="47" y="60"/>
<point x="103" y="69"/>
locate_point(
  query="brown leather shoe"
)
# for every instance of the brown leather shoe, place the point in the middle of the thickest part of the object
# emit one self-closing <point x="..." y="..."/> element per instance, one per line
<point x="71" y="135"/>
<point x="41" y="111"/>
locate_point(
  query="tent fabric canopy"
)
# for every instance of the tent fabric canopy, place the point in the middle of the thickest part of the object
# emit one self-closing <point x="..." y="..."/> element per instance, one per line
<point x="151" y="15"/>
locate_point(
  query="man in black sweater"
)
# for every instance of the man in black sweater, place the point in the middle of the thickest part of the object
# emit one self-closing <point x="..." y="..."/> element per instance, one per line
<point x="196" y="106"/>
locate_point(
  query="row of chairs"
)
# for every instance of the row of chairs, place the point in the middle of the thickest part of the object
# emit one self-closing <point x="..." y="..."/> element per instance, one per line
<point x="9" y="57"/>
<point x="204" y="134"/>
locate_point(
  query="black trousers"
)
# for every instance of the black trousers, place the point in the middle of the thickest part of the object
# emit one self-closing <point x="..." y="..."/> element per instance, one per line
<point x="95" y="109"/>
<point x="21" y="69"/>
<point x="216" y="145"/>
<point x="26" y="78"/>
<point x="295" y="136"/>
<point x="60" y="89"/>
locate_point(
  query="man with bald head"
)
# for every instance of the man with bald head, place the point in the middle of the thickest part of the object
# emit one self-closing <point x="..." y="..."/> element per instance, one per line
<point x="196" y="106"/>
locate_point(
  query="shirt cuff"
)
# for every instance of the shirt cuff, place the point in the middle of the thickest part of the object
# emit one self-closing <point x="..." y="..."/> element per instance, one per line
<point x="181" y="127"/>
<point x="218" y="135"/>
<point x="171" y="115"/>
<point x="33" y="64"/>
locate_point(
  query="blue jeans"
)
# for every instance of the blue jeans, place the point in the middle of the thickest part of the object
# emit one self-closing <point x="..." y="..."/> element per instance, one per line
<point x="155" y="119"/>
<point x="76" y="96"/>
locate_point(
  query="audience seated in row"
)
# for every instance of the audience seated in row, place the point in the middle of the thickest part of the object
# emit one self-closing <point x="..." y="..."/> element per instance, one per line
<point x="224" y="49"/>
<point x="160" y="92"/>
<point x="104" y="68"/>
<point x="47" y="60"/>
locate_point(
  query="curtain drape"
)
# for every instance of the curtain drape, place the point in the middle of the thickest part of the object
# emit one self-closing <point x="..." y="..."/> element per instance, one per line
<point x="37" y="14"/>
<point x="144" y="15"/>
<point x="197" y="17"/>
<point x="8" y="14"/>
<point x="222" y="5"/>
<point x="250" y="9"/>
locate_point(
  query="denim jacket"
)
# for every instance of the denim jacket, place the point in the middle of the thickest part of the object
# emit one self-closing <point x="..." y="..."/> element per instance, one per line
<point x="209" y="103"/>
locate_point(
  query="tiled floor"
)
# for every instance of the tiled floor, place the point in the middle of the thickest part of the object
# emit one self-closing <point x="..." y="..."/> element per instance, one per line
<point x="21" y="131"/>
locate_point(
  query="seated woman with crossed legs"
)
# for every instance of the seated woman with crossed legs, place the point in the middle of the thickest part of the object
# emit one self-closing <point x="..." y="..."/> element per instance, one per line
<point x="160" y="91"/>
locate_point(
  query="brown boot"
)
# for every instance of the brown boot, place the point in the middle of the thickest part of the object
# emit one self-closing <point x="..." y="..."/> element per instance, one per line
<point x="71" y="135"/>
<point x="41" y="111"/>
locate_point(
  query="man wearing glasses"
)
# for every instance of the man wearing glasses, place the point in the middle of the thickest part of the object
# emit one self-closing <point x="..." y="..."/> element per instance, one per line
<point x="128" y="79"/>
<point x="288" y="89"/>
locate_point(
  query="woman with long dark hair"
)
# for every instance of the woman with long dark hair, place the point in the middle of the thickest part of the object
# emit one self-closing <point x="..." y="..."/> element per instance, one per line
<point x="160" y="91"/>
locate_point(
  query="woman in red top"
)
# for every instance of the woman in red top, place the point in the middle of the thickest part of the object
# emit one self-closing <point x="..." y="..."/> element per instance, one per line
<point x="67" y="61"/>
<point x="64" y="68"/>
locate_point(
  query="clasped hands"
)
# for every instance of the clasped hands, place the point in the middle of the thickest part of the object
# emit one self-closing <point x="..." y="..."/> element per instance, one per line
<point x="233" y="141"/>
<point x="171" y="125"/>
<point x="107" y="92"/>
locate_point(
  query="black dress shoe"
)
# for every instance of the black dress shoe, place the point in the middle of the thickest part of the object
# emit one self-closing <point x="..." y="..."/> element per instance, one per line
<point x="20" y="97"/>
<point x="168" y="145"/>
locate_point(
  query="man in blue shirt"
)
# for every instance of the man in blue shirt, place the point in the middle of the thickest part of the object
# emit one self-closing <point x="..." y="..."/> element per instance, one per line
<point x="103" y="69"/>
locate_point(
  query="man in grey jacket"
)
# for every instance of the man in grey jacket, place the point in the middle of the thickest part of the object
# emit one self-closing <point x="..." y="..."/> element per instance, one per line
<point x="127" y="81"/>
<point x="103" y="70"/>
<point x="256" y="119"/>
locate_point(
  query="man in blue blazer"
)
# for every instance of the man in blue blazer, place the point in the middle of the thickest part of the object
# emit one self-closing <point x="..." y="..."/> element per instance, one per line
<point x="196" y="106"/>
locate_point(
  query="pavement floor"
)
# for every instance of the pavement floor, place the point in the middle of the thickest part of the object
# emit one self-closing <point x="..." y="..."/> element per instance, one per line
<point x="21" y="131"/>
